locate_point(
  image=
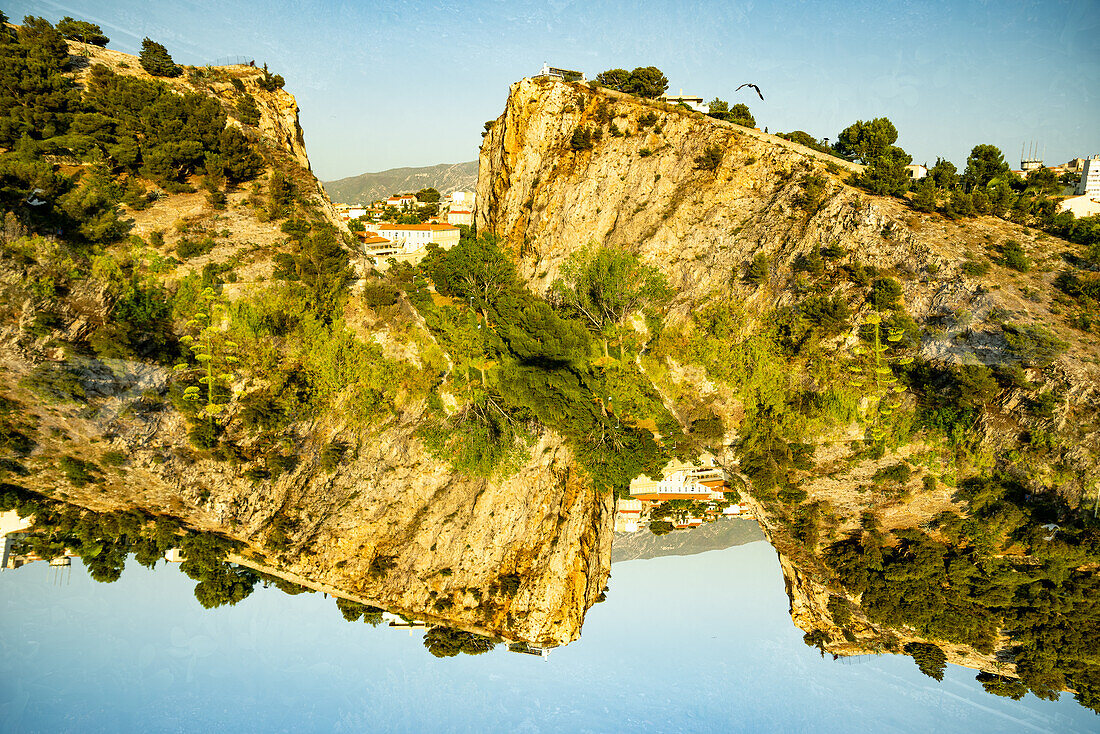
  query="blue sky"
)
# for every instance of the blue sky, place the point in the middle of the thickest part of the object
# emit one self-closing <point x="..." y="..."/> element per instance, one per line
<point x="409" y="83"/>
<point x="700" y="643"/>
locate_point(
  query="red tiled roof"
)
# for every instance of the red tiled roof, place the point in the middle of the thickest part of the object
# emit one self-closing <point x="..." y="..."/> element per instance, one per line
<point x="418" y="227"/>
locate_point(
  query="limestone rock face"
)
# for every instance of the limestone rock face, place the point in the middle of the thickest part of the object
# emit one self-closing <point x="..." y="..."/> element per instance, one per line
<point x="566" y="166"/>
<point x="522" y="557"/>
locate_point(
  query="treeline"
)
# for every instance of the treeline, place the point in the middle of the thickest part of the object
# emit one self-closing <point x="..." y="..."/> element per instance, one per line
<point x="124" y="130"/>
<point x="965" y="587"/>
<point x="524" y="364"/>
<point x="986" y="186"/>
<point x="105" y="540"/>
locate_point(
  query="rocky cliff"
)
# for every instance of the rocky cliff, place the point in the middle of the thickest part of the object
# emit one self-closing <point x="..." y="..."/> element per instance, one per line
<point x="566" y="166"/>
<point x="386" y="524"/>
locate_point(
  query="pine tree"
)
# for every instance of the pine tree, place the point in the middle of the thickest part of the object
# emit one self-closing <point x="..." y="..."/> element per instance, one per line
<point x="155" y="59"/>
<point x="929" y="658"/>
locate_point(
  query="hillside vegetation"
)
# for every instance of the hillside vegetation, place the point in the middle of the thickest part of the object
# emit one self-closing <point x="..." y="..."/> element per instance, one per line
<point x="912" y="413"/>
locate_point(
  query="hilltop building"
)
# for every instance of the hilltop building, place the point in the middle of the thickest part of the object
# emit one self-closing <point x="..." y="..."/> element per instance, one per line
<point x="695" y="103"/>
<point x="412" y="238"/>
<point x="566" y="75"/>
<point x="525" y="648"/>
<point x="682" y="481"/>
<point x="1090" y="177"/>
<point x="405" y="201"/>
<point x="916" y="171"/>
<point x="628" y="515"/>
<point x="460" y="216"/>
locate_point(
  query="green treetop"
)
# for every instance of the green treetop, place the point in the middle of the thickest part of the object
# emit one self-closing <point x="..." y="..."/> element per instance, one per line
<point x="156" y="60"/>
<point x="985" y="164"/>
<point x="867" y="140"/>
<point x="82" y="30"/>
<point x="647" y="81"/>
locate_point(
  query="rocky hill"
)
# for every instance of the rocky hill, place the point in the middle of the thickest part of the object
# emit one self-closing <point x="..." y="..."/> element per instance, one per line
<point x="184" y="346"/>
<point x="711" y="536"/>
<point x="878" y="372"/>
<point x="368" y="187"/>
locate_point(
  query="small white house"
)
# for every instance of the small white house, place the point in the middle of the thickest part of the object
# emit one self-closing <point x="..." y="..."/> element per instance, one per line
<point x="695" y="103"/>
<point x="916" y="171"/>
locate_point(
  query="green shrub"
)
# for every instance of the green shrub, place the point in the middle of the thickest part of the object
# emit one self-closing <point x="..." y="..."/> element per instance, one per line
<point x="929" y="658"/>
<point x="114" y="458"/>
<point x="710" y="159"/>
<point x="810" y="263"/>
<point x="581" y="139"/>
<point x="247" y="110"/>
<point x="56" y="382"/>
<point x="332" y="455"/>
<point x="1013" y="256"/>
<point x="896" y="474"/>
<point x="1032" y="344"/>
<point x="156" y="60"/>
<point x="885" y="293"/>
<point x="187" y="248"/>
<point x="78" y="471"/>
<point x="974" y="268"/>
<point x="758" y="271"/>
<point x="203" y="434"/>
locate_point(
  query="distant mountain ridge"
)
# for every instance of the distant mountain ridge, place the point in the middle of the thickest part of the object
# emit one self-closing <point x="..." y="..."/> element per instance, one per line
<point x="367" y="187"/>
<point x="711" y="536"/>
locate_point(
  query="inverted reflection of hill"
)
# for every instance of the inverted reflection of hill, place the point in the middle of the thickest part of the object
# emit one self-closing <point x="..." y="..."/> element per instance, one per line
<point x="711" y="536"/>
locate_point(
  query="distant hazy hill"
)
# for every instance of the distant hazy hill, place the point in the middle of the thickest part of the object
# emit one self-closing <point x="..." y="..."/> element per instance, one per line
<point x="711" y="536"/>
<point x="367" y="187"/>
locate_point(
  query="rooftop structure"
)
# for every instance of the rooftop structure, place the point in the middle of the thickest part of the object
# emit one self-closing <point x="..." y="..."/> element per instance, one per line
<point x="695" y="103"/>
<point x="460" y="216"/>
<point x="1090" y="177"/>
<point x="566" y="75"/>
<point x="682" y="481"/>
<point x="526" y="649"/>
<point x="405" y="201"/>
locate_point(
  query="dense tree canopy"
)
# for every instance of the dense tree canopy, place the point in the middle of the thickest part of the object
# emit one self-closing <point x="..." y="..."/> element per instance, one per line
<point x="647" y="81"/>
<point x="985" y="164"/>
<point x="867" y="140"/>
<point x="603" y="285"/>
<point x="616" y="79"/>
<point x="887" y="173"/>
<point x="82" y="30"/>
<point x="155" y="59"/>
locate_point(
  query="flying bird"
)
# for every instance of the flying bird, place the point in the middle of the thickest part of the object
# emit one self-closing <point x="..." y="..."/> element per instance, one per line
<point x="753" y="86"/>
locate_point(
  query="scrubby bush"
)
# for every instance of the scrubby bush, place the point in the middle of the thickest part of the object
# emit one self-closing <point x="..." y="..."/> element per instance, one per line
<point x="1033" y="344"/>
<point x="1013" y="256"/>
<point x="155" y="59"/>
<point x="885" y="293"/>
<point x="710" y="159"/>
<point x="758" y="271"/>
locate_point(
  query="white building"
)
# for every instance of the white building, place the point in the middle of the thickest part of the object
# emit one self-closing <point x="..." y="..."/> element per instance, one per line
<point x="567" y="75"/>
<point x="461" y="199"/>
<point x="628" y="516"/>
<point x="916" y="171"/>
<point x="414" y="237"/>
<point x="705" y="481"/>
<point x="1085" y="205"/>
<point x="407" y="201"/>
<point x="1090" y="177"/>
<point x="460" y="216"/>
<point x="695" y="103"/>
